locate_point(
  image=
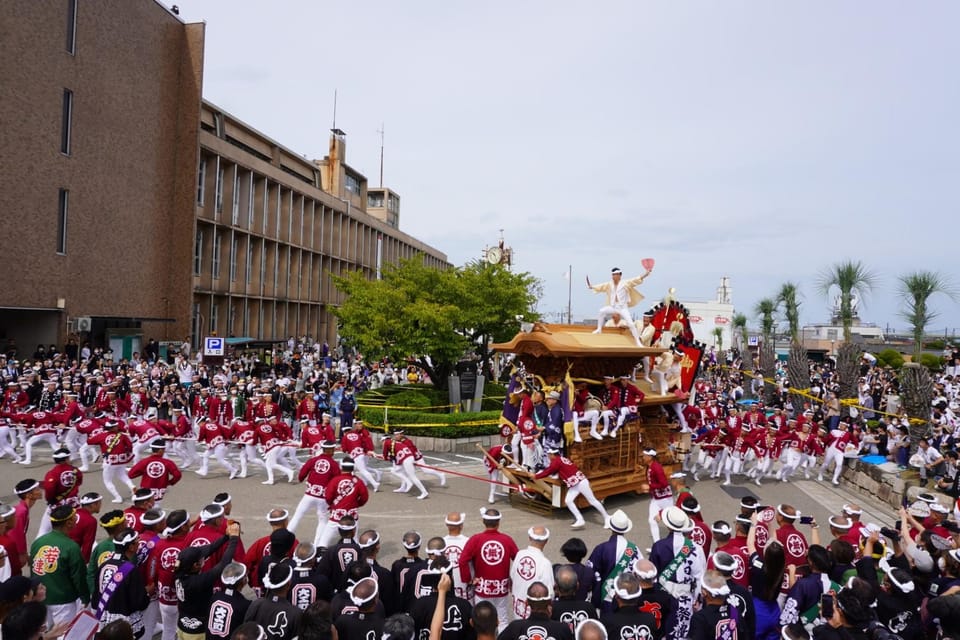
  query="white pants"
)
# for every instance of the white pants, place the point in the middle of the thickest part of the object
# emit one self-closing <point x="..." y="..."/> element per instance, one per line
<point x="835" y="456"/>
<point x="5" y="447"/>
<point x="139" y="448"/>
<point x="220" y="453"/>
<point x="397" y="472"/>
<point x="113" y="473"/>
<point x="328" y="533"/>
<point x="248" y="453"/>
<point x="371" y="476"/>
<point x="791" y="460"/>
<point x="532" y="454"/>
<point x="409" y="470"/>
<point x="45" y="525"/>
<point x="593" y="416"/>
<point x="168" y="616"/>
<point x="624" y="414"/>
<point x="272" y="463"/>
<point x="151" y="617"/>
<point x="624" y="313"/>
<point x="49" y="438"/>
<point x="308" y="502"/>
<point x="502" y="605"/>
<point x="62" y="613"/>
<point x="583" y="488"/>
<point x="187" y="450"/>
<point x="656" y="506"/>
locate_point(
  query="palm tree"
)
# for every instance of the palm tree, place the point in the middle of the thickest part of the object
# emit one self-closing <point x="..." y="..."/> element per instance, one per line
<point x="718" y="338"/>
<point x="915" y="289"/>
<point x="765" y="309"/>
<point x="739" y="323"/>
<point x="798" y="369"/>
<point x="848" y="277"/>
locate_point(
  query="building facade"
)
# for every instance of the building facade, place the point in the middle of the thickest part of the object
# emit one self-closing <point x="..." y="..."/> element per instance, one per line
<point x="274" y="229"/>
<point x="98" y="125"/>
<point x="136" y="210"/>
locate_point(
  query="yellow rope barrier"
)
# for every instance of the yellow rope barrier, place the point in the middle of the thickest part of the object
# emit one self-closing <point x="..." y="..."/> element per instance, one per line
<point x="849" y="402"/>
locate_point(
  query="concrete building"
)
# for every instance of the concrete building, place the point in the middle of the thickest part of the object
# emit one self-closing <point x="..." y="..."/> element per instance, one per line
<point x="705" y="317"/>
<point x="136" y="210"/>
<point x="273" y="229"/>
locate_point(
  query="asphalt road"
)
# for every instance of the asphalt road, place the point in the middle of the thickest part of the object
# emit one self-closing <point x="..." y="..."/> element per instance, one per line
<point x="392" y="514"/>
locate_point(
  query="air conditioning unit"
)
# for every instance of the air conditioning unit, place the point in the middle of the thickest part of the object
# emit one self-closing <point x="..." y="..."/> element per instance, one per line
<point x="84" y="323"/>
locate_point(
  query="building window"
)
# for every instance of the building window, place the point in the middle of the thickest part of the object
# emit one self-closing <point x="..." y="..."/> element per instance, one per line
<point x="62" y="221"/>
<point x="214" y="317"/>
<point x="249" y="265"/>
<point x="198" y="253"/>
<point x="393" y="204"/>
<point x="236" y="195"/>
<point x="67" y="124"/>
<point x="72" y="27"/>
<point x="201" y="180"/>
<point x="216" y="255"/>
<point x="233" y="259"/>
<point x="375" y="199"/>
<point x="353" y="184"/>
<point x="220" y="176"/>
<point x="250" y="191"/>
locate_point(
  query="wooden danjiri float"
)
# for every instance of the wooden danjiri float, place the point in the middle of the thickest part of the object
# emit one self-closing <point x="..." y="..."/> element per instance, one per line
<point x="560" y="356"/>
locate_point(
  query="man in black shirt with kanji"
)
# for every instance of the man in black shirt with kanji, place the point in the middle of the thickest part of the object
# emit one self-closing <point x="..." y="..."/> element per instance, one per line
<point x="366" y="621"/>
<point x="567" y="608"/>
<point x="539" y="624"/>
<point x="627" y="614"/>
<point x="717" y="620"/>
<point x="228" y="607"/>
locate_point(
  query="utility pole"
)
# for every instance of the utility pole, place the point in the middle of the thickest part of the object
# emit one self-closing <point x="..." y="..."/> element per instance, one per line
<point x="381" y="132"/>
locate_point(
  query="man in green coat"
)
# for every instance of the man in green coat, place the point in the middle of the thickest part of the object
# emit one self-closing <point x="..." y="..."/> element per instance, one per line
<point x="57" y="561"/>
<point x="113" y="523"/>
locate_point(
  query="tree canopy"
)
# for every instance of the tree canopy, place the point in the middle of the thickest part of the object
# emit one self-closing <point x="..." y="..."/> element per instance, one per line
<point x="434" y="317"/>
<point x="915" y="289"/>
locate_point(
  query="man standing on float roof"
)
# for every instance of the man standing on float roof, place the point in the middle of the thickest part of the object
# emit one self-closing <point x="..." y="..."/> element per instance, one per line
<point x="621" y="295"/>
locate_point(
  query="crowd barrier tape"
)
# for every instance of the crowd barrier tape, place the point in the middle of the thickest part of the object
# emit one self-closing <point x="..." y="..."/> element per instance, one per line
<point x="402" y="407"/>
<point x="848" y="402"/>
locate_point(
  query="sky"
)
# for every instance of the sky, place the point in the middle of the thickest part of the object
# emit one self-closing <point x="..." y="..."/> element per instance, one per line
<point x="764" y="141"/>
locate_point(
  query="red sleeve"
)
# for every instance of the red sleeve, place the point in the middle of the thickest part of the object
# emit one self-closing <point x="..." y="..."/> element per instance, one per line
<point x="50" y="487"/>
<point x="175" y="474"/>
<point x="305" y="469"/>
<point x="466" y="556"/>
<point x="551" y="468"/>
<point x="137" y="470"/>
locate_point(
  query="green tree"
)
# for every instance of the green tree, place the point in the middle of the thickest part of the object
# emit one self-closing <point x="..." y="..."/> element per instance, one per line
<point x="434" y="317"/>
<point x="849" y="278"/>
<point x="718" y="337"/>
<point x="915" y="289"/>
<point x="739" y="324"/>
<point x="798" y="371"/>
<point x="765" y="309"/>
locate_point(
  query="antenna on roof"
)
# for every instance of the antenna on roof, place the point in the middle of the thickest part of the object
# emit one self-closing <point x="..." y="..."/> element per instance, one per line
<point x="381" y="132"/>
<point x="334" y="110"/>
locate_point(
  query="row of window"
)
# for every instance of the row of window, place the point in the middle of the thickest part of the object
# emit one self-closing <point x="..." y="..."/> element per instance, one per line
<point x="243" y="310"/>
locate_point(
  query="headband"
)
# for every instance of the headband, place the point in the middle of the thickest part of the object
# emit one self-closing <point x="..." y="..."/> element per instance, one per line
<point x="238" y="577"/>
<point x="346" y="527"/>
<point x="170" y="530"/>
<point x="851" y="511"/>
<point x="623" y="594"/>
<point x="538" y="538"/>
<point x="905" y="587"/>
<point x="723" y="529"/>
<point x="483" y="514"/>
<point x="109" y="524"/>
<point x="300" y="561"/>
<point x="414" y="545"/>
<point x="373" y="541"/>
<point x="436" y="552"/>
<point x="650" y="452"/>
<point x="151" y="521"/>
<point x="125" y="540"/>
<point x="358" y="601"/>
<point x="785" y="515"/>
<point x="277" y="585"/>
<point x="546" y="598"/>
<point x="836" y="523"/>
<point x="70" y="515"/>
<point x="647" y="575"/>
<point x="284" y="515"/>
<point x="447" y="520"/>
<point x="718" y="592"/>
<point x="724" y="567"/>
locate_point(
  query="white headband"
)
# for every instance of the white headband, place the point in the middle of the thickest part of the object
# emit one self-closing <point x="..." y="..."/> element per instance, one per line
<point x="646" y="575"/>
<point x="546" y="598"/>
<point x="906" y="587"/>
<point x="447" y="520"/>
<point x="301" y="561"/>
<point x="415" y="545"/>
<point x="160" y="516"/>
<point x="719" y="591"/>
<point x="277" y="585"/>
<point x="723" y="530"/>
<point x="626" y="595"/>
<point x="358" y="601"/>
<point x="483" y="514"/>
<point x="851" y="511"/>
<point x="125" y="540"/>
<point x="785" y="515"/>
<point x="284" y="515"/>
<point x="371" y="542"/>
<point x="538" y="538"/>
